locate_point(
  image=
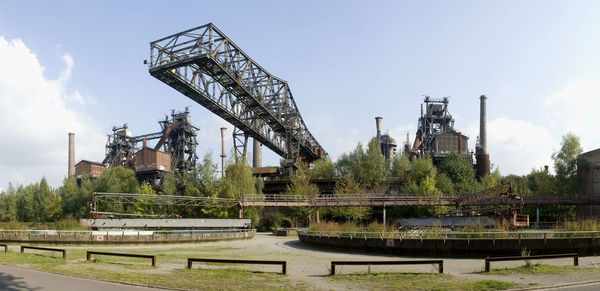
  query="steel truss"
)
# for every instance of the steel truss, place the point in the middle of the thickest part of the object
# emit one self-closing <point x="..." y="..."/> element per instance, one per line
<point x="172" y="200"/>
<point x="206" y="66"/>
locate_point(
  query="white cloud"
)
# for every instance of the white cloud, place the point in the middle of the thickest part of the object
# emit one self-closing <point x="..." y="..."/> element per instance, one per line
<point x="36" y="115"/>
<point x="575" y="108"/>
<point x="516" y="146"/>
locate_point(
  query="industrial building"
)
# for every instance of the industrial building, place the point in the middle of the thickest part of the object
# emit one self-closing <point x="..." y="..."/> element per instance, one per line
<point x="437" y="137"/>
<point x="590" y="184"/>
<point x="175" y="151"/>
<point x="388" y="144"/>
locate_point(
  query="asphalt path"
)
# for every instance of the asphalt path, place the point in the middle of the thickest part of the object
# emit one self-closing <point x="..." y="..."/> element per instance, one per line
<point x="15" y="278"/>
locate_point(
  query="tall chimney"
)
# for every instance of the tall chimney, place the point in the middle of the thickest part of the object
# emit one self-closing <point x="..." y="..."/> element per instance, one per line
<point x="71" y="154"/>
<point x="256" y="154"/>
<point x="483" y="124"/>
<point x="378" y="124"/>
<point x="223" y="130"/>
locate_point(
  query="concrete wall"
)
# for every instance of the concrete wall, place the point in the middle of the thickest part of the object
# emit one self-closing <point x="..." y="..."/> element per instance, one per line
<point x="138" y="223"/>
<point x="459" y="247"/>
<point x="89" y="238"/>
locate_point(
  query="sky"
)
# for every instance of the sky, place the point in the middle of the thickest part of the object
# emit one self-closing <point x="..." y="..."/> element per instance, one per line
<point x="77" y="66"/>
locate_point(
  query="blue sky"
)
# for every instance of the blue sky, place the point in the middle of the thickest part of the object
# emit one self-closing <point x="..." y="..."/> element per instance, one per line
<point x="78" y="66"/>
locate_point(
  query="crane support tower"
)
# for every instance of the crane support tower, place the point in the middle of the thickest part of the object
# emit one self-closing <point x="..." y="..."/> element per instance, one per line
<point x="206" y="66"/>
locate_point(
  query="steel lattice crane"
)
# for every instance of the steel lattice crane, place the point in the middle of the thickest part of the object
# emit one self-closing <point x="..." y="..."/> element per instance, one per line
<point x="206" y="66"/>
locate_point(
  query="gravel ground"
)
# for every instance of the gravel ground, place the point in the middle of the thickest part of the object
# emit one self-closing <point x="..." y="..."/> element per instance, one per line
<point x="311" y="265"/>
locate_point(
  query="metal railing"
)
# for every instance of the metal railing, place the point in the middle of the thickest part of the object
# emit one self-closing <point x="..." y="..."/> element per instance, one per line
<point x="450" y="234"/>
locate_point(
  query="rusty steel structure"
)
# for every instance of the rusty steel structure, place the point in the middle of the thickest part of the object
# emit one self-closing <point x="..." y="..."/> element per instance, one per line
<point x="436" y="135"/>
<point x="177" y="138"/>
<point x="205" y="65"/>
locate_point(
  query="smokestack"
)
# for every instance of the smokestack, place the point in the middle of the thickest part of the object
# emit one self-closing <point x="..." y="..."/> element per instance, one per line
<point x="483" y="124"/>
<point x="483" y="159"/>
<point x="71" y="154"/>
<point x="223" y="130"/>
<point x="378" y="125"/>
<point x="256" y="154"/>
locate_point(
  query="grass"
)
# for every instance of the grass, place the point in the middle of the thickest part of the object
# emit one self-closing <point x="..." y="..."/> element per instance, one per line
<point x="139" y="271"/>
<point x="534" y="269"/>
<point x="422" y="281"/>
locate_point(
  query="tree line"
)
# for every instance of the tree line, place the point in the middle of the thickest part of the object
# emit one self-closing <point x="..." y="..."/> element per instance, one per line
<point x="360" y="171"/>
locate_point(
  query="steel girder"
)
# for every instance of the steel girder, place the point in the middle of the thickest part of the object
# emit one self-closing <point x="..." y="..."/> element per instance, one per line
<point x="206" y="66"/>
<point x="191" y="201"/>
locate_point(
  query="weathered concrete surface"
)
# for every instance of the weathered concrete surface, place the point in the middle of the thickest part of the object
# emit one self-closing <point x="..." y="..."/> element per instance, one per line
<point x="155" y="238"/>
<point x="285" y="232"/>
<point x="175" y="223"/>
<point x="459" y="247"/>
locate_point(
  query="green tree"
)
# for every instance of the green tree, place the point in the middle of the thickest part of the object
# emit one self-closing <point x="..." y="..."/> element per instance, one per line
<point x="52" y="211"/>
<point x="208" y="182"/>
<point x="444" y="184"/>
<point x="428" y="186"/>
<point x="541" y="182"/>
<point x="401" y="165"/>
<point x="322" y="169"/>
<point x="117" y="180"/>
<point x="8" y="204"/>
<point x="300" y="185"/>
<point x="457" y="168"/>
<point x="565" y="164"/>
<point x="422" y="168"/>
<point x="347" y="186"/>
<point x="145" y="205"/>
<point x="347" y="164"/>
<point x="372" y="169"/>
<point x="41" y="197"/>
<point x="25" y="211"/>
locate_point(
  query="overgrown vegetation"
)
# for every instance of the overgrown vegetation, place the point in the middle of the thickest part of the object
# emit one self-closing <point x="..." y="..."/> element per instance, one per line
<point x="357" y="172"/>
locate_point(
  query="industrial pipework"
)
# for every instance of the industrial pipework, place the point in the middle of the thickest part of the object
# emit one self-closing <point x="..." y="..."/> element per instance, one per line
<point x="223" y="156"/>
<point x="481" y="155"/>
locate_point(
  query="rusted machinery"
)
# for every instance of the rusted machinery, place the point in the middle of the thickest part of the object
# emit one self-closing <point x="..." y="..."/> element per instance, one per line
<point x="499" y="202"/>
<point x="436" y="135"/>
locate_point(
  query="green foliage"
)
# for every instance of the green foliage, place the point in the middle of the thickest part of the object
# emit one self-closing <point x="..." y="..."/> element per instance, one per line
<point x="428" y="186"/>
<point x="372" y="169"/>
<point x="541" y="182"/>
<point x="345" y="186"/>
<point x="347" y="164"/>
<point x="457" y="168"/>
<point x="565" y="164"/>
<point x="117" y="180"/>
<point x="300" y="185"/>
<point x="422" y="168"/>
<point x="53" y="208"/>
<point x="401" y="165"/>
<point x="322" y="169"/>
<point x="145" y="205"/>
<point x="444" y="184"/>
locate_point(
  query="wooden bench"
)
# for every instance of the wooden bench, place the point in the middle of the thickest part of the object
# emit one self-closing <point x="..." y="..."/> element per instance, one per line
<point x="64" y="252"/>
<point x="258" y="262"/>
<point x="152" y="257"/>
<point x="440" y="263"/>
<point x="521" y="258"/>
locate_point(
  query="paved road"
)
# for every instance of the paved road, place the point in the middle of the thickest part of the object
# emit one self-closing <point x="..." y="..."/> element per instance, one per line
<point x="15" y="278"/>
<point x="587" y="287"/>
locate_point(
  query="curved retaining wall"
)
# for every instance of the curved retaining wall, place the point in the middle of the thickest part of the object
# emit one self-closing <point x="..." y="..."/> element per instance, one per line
<point x="458" y="247"/>
<point x="155" y="238"/>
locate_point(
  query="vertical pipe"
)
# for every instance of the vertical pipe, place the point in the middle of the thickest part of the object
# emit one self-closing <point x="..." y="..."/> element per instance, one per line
<point x="384" y="214"/>
<point x="537" y="217"/>
<point x="256" y="154"/>
<point x="71" y="154"/>
<point x="223" y="130"/>
<point x="483" y="124"/>
<point x="378" y="126"/>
